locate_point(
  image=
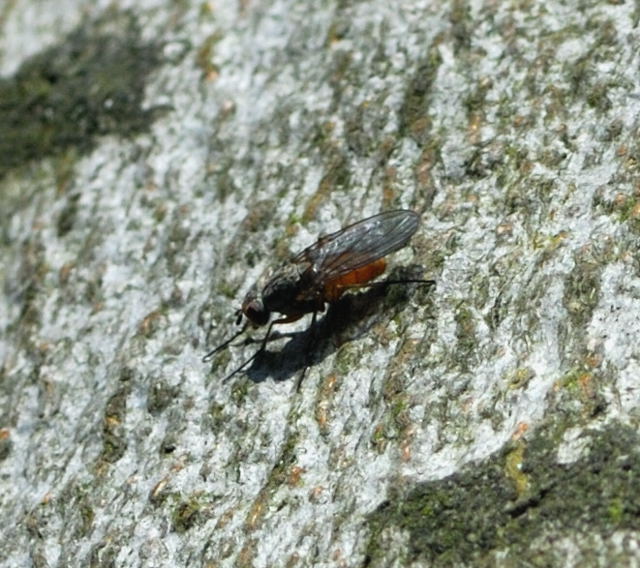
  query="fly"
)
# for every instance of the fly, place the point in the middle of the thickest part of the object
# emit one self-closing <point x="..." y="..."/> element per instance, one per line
<point x="349" y="258"/>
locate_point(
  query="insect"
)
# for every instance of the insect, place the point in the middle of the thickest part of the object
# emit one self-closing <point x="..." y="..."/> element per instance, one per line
<point x="349" y="258"/>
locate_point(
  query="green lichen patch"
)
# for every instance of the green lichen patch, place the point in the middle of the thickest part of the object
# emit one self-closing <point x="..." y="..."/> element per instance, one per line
<point x="579" y="393"/>
<point x="191" y="511"/>
<point x="67" y="216"/>
<point x="519" y="378"/>
<point x="625" y="208"/>
<point x="205" y="56"/>
<point x="466" y="336"/>
<point x="512" y="500"/>
<point x="90" y="84"/>
<point x="75" y="504"/>
<point x="337" y="177"/>
<point x="281" y="474"/>
<point x="26" y="289"/>
<point x="582" y="290"/>
<point x="160" y="396"/>
<point x="414" y="118"/>
<point x="114" y="442"/>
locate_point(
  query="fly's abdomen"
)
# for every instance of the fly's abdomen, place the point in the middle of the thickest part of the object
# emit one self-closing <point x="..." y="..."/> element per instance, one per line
<point x="335" y="288"/>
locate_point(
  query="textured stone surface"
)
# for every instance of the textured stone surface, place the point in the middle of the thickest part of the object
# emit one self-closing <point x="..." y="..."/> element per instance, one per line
<point x="156" y="157"/>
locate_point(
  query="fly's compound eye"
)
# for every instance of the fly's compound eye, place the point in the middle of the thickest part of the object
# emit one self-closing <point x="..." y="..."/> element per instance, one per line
<point x="256" y="312"/>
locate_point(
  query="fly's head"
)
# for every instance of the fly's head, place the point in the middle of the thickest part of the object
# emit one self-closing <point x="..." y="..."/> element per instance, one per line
<point x="254" y="309"/>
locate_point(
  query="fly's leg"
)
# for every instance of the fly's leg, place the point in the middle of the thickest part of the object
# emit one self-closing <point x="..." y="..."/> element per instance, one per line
<point x="220" y="347"/>
<point x="263" y="343"/>
<point x="384" y="283"/>
<point x="308" y="350"/>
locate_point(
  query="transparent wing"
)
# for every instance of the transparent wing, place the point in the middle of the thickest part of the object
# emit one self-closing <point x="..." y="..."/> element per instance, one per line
<point x="359" y="244"/>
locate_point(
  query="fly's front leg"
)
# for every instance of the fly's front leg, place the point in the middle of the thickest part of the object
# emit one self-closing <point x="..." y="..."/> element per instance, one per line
<point x="263" y="344"/>
<point x="286" y="319"/>
<point x="308" y="350"/>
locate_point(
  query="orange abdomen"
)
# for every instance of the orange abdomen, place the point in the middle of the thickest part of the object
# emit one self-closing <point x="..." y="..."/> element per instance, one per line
<point x="335" y="288"/>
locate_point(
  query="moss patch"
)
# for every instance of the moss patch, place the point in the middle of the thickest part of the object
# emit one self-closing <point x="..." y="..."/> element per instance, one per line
<point x="90" y="84"/>
<point x="469" y="517"/>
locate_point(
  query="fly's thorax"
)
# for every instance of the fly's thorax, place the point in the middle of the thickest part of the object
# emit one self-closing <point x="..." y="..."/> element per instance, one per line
<point x="288" y="291"/>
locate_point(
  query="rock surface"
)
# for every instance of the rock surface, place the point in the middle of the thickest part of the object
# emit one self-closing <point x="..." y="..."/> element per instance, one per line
<point x="157" y="157"/>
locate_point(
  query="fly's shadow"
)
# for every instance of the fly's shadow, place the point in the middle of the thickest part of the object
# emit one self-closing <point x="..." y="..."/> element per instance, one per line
<point x="346" y="320"/>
